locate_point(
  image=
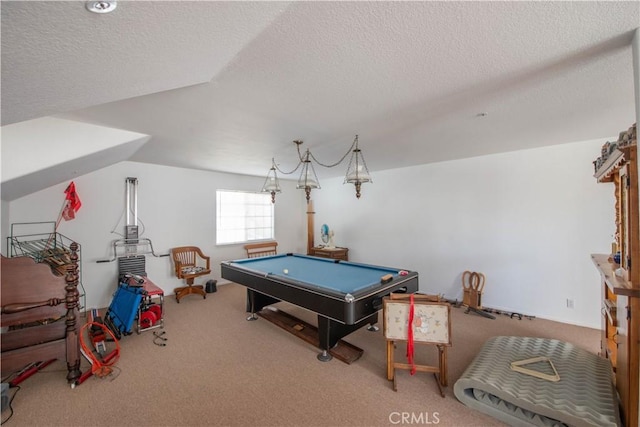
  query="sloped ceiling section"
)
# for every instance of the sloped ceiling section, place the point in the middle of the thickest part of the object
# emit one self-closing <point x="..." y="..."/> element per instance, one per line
<point x="57" y="56"/>
<point x="40" y="153"/>
<point x="227" y="86"/>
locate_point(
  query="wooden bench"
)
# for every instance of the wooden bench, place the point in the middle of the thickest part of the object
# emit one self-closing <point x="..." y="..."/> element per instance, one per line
<point x="255" y="250"/>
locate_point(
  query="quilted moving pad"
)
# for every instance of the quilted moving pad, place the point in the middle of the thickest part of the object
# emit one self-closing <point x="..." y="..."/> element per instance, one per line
<point x="584" y="396"/>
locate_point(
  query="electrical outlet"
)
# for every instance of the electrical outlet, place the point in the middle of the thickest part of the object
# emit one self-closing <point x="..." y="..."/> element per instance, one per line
<point x="569" y="303"/>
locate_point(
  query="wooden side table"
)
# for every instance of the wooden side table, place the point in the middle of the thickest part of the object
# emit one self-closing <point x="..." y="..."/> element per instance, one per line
<point x="333" y="253"/>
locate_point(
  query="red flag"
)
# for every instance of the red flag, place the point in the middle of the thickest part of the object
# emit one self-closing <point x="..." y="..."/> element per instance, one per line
<point x="73" y="202"/>
<point x="410" y="344"/>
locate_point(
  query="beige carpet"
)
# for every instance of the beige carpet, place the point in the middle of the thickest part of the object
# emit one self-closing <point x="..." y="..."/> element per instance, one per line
<point x="219" y="369"/>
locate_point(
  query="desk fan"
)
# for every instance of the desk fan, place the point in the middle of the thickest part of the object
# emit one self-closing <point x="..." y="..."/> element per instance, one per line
<point x="327" y="236"/>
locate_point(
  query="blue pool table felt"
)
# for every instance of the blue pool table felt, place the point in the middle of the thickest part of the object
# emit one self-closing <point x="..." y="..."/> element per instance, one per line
<point x="345" y="277"/>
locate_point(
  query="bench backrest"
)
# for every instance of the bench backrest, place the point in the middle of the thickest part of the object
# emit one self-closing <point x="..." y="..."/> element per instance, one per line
<point x="255" y="250"/>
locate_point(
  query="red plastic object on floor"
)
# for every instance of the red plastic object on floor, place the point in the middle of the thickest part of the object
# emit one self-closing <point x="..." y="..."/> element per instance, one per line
<point x="28" y="371"/>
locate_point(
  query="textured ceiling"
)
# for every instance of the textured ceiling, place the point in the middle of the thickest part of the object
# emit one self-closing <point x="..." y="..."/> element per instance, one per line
<point x="228" y="85"/>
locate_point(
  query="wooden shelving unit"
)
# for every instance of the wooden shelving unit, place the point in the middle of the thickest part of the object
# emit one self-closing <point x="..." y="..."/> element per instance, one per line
<point x="620" y="281"/>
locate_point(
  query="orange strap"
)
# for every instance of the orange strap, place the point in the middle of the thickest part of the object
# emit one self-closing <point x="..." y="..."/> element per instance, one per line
<point x="98" y="367"/>
<point x="410" y="346"/>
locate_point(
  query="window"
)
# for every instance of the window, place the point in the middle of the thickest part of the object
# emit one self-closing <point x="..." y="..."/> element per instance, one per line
<point x="243" y="217"/>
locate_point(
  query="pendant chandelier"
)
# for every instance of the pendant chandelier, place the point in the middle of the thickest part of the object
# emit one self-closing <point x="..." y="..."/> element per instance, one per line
<point x="357" y="172"/>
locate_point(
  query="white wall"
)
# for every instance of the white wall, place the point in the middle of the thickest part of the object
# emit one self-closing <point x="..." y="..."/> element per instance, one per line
<point x="176" y="207"/>
<point x="57" y="141"/>
<point x="4" y="223"/>
<point x="528" y="220"/>
<point x="59" y="150"/>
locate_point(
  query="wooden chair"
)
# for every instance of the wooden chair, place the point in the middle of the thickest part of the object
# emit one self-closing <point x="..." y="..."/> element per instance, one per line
<point x="431" y="326"/>
<point x="255" y="250"/>
<point x="190" y="262"/>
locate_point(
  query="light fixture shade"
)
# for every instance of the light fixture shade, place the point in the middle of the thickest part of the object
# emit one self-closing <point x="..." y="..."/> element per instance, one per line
<point x="357" y="172"/>
<point x="360" y="174"/>
<point x="272" y="184"/>
<point x="308" y="178"/>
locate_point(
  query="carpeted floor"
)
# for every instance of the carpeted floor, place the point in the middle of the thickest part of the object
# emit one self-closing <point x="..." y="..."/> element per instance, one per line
<point x="219" y="369"/>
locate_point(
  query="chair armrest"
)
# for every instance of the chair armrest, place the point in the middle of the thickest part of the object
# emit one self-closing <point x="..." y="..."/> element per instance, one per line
<point x="178" y="266"/>
<point x="206" y="258"/>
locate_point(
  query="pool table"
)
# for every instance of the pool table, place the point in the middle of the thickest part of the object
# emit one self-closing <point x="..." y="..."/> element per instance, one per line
<point x="345" y="295"/>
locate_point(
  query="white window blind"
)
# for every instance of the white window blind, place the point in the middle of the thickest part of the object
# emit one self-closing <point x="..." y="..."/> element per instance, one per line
<point x="243" y="217"/>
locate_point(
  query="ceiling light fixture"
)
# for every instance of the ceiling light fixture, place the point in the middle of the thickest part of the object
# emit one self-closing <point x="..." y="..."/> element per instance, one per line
<point x="357" y="172"/>
<point x="102" y="6"/>
<point x="271" y="184"/>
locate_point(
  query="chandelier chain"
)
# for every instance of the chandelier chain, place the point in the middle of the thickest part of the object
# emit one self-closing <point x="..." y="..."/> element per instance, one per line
<point x="284" y="172"/>
<point x="310" y="154"/>
<point x="355" y="141"/>
<point x="357" y="171"/>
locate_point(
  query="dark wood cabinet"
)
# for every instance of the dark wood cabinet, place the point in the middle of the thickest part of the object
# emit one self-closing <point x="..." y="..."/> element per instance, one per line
<point x="334" y="253"/>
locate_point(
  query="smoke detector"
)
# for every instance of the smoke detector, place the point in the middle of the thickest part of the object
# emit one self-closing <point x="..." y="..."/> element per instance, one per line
<point x="101" y="6"/>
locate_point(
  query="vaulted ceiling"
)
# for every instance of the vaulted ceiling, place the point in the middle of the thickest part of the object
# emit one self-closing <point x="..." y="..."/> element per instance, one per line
<point x="226" y="86"/>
